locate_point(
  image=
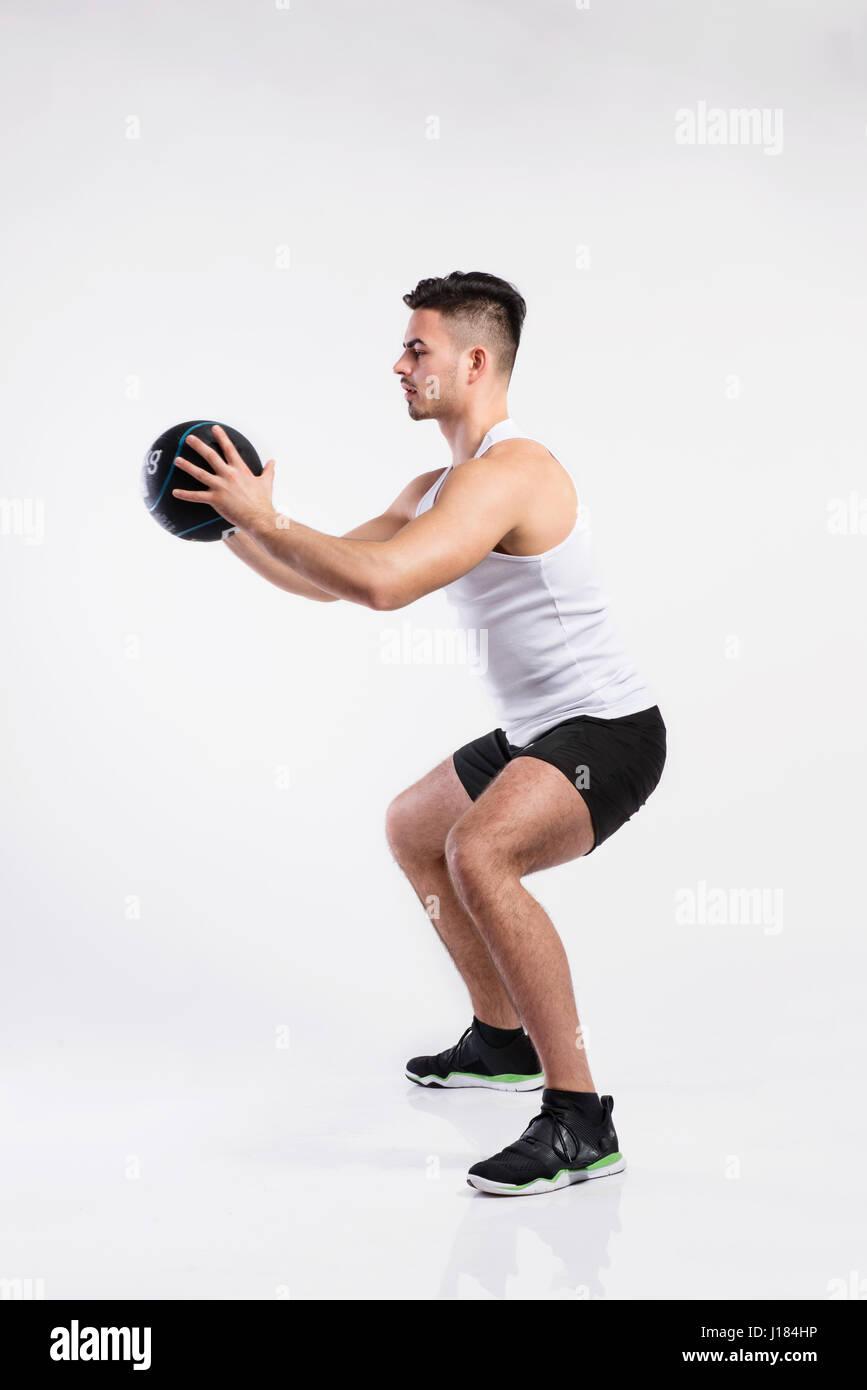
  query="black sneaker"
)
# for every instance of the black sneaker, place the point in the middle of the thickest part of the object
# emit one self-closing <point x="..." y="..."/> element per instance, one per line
<point x="557" y="1148"/>
<point x="473" y="1062"/>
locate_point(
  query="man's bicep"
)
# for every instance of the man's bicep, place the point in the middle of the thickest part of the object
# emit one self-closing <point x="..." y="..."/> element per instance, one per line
<point x="450" y="539"/>
<point x="379" y="528"/>
<point x="397" y="515"/>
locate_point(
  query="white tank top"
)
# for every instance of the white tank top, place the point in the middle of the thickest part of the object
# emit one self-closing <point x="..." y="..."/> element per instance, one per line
<point x="550" y="651"/>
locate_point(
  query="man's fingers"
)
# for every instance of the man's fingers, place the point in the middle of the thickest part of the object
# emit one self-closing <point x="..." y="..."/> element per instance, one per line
<point x="226" y="445"/>
<point x="191" y="496"/>
<point x="192" y="468"/>
<point x="214" y="457"/>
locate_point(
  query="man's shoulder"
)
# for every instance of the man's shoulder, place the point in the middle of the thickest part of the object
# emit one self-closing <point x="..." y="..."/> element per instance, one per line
<point x="519" y="449"/>
<point x="420" y="485"/>
<point x="406" y="504"/>
<point x="517" y="460"/>
<point x="525" y="471"/>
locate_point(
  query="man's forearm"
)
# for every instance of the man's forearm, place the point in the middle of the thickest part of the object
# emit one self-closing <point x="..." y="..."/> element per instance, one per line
<point x="356" y="570"/>
<point x="275" y="571"/>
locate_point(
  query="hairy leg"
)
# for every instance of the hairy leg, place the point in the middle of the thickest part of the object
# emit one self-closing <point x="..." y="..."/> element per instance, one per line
<point x="417" y="825"/>
<point x="529" y="818"/>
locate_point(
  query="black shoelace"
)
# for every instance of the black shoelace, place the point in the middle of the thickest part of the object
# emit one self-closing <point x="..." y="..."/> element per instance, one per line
<point x="551" y="1127"/>
<point x="452" y="1054"/>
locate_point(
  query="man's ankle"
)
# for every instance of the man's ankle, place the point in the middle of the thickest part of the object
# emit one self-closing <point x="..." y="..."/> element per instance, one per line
<point x="495" y="1036"/>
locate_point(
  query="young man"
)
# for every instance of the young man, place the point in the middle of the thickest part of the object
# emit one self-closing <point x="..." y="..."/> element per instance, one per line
<point x="581" y="744"/>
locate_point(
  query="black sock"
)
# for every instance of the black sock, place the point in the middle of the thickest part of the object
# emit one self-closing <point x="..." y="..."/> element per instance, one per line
<point x="496" y="1037"/>
<point x="587" y="1103"/>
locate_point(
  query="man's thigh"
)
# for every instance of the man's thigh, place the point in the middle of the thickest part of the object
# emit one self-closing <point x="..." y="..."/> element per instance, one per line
<point x="530" y="816"/>
<point x="420" y="818"/>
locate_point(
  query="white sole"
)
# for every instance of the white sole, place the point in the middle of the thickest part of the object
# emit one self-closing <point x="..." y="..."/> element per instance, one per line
<point x="461" y="1080"/>
<point x="535" y="1189"/>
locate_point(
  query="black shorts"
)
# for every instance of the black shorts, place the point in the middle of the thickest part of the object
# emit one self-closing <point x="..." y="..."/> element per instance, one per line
<point x="613" y="763"/>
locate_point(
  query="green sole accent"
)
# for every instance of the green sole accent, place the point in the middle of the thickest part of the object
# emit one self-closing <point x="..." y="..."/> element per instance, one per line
<point x="603" y="1162"/>
<point x="600" y="1163"/>
<point x="505" y="1076"/>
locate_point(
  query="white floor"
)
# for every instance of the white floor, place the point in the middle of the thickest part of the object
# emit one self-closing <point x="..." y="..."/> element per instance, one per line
<point x="159" y="1140"/>
<point x="196" y="1178"/>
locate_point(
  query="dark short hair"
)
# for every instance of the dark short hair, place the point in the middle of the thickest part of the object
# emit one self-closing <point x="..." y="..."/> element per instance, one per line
<point x="486" y="304"/>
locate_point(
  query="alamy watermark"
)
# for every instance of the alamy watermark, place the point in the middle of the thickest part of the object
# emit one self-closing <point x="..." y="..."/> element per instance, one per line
<point x="77" y="1343"/>
<point x="847" y="516"/>
<point x="703" y="906"/>
<point x="24" y="517"/>
<point x="761" y="126"/>
<point x="17" y="1288"/>
<point x="433" y="646"/>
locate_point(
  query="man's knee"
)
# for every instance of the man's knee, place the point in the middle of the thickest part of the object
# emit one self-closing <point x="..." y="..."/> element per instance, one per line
<point x="407" y="830"/>
<point x="400" y="824"/>
<point x="472" y="862"/>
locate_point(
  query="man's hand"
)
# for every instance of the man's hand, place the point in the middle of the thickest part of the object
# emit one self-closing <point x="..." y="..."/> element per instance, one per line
<point x="232" y="490"/>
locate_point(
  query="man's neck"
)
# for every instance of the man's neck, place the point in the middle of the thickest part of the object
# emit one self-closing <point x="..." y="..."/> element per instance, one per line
<point x="465" y="433"/>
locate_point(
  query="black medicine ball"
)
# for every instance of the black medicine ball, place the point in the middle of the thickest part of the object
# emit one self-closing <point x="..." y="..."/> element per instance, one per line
<point x="192" y="521"/>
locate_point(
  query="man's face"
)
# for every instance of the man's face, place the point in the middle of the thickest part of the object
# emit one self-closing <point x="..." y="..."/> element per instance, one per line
<point x="428" y="367"/>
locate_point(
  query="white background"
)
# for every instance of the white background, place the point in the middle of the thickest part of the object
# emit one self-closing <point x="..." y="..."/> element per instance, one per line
<point x="197" y="766"/>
